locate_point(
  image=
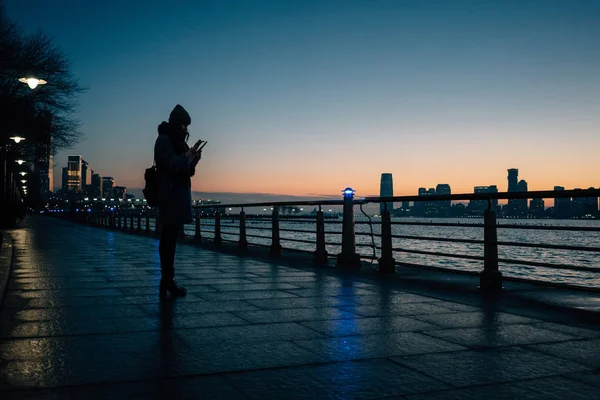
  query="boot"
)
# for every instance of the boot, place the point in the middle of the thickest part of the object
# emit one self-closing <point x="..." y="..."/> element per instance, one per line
<point x="169" y="284"/>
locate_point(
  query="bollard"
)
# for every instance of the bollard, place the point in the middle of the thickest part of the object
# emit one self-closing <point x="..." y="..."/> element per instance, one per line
<point x="198" y="233"/>
<point x="387" y="264"/>
<point x="217" y="241"/>
<point x="490" y="279"/>
<point x="147" y="221"/>
<point x="275" y="249"/>
<point x="348" y="258"/>
<point x="243" y="242"/>
<point x="320" y="256"/>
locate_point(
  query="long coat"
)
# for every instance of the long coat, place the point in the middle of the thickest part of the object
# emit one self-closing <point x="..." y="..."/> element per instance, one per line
<point x="175" y="193"/>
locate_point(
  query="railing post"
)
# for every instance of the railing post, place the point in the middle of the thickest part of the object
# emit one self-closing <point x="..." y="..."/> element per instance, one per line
<point x="198" y="233"/>
<point x="490" y="279"/>
<point x="387" y="264"/>
<point x="118" y="216"/>
<point x="348" y="258"/>
<point x="131" y="226"/>
<point x="320" y="256"/>
<point x="243" y="242"/>
<point x="147" y="220"/>
<point x="139" y="221"/>
<point x="217" y="241"/>
<point x="275" y="249"/>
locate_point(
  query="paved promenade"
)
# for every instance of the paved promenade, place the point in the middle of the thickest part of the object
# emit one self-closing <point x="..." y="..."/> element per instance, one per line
<point x="81" y="319"/>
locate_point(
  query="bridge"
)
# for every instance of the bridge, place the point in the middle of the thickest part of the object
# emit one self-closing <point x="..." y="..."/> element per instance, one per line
<point x="81" y="318"/>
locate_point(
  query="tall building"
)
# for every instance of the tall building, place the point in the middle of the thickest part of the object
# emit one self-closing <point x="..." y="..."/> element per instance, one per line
<point x="444" y="205"/>
<point x="86" y="176"/>
<point x="65" y="179"/>
<point x="43" y="167"/>
<point x="386" y="189"/>
<point x="96" y="188"/>
<point x="107" y="186"/>
<point x="481" y="205"/>
<point x="562" y="207"/>
<point x="513" y="179"/>
<point x="536" y="208"/>
<point x="74" y="181"/>
<point x="120" y="192"/>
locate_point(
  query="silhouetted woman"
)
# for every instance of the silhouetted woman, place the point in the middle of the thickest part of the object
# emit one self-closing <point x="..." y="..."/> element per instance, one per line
<point x="175" y="164"/>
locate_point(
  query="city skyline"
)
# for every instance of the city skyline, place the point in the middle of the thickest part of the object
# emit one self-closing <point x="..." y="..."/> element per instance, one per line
<point x="306" y="98"/>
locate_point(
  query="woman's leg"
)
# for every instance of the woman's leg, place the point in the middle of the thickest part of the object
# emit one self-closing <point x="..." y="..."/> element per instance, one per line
<point x="166" y="249"/>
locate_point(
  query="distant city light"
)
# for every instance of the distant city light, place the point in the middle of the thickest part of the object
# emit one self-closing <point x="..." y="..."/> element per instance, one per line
<point x="17" y="139"/>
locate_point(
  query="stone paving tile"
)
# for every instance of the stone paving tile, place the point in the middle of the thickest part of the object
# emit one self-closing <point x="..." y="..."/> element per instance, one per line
<point x="206" y="388"/>
<point x="395" y="309"/>
<point x="371" y="379"/>
<point x="263" y="333"/>
<point x="300" y="302"/>
<point x="591" y="378"/>
<point x="456" y="306"/>
<point x="177" y="321"/>
<point x="377" y="346"/>
<point x="504" y="335"/>
<point x="570" y="330"/>
<point x="254" y="286"/>
<point x="546" y="388"/>
<point x="474" y="319"/>
<point x="245" y="295"/>
<point x="367" y="326"/>
<point x="343" y="291"/>
<point x="295" y="315"/>
<point x="14" y="329"/>
<point x="51" y="314"/>
<point x="200" y="307"/>
<point x="479" y="367"/>
<point x="70" y="293"/>
<point x="582" y="351"/>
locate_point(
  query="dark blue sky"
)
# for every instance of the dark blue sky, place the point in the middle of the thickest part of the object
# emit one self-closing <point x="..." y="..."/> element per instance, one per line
<point x="302" y="97"/>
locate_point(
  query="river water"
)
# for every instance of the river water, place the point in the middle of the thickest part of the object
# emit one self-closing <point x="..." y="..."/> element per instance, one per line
<point x="333" y="228"/>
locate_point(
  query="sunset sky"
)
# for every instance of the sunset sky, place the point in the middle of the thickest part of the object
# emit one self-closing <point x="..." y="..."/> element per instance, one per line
<point x="308" y="97"/>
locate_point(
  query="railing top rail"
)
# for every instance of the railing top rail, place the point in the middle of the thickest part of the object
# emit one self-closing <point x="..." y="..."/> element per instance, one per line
<point x="541" y="194"/>
<point x="275" y="204"/>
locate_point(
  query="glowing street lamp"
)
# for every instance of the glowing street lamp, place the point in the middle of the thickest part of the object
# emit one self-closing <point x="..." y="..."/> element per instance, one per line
<point x="23" y="173"/>
<point x="23" y="181"/>
<point x="17" y="139"/>
<point x="20" y="162"/>
<point x="32" y="81"/>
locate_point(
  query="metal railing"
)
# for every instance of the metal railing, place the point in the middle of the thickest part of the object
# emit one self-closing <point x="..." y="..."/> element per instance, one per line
<point x="244" y="230"/>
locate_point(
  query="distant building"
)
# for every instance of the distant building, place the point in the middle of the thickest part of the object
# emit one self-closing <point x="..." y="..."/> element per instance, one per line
<point x="96" y="187"/>
<point x="119" y="193"/>
<point x="43" y="167"/>
<point x="65" y="179"/>
<point x="107" y="186"/>
<point x="562" y="207"/>
<point x="478" y="206"/>
<point x="443" y="206"/>
<point x="74" y="180"/>
<point x="86" y="176"/>
<point x="386" y="189"/>
<point x="513" y="179"/>
<point x="536" y="208"/>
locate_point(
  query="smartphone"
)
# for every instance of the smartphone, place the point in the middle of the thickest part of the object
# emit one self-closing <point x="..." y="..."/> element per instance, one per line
<point x="201" y="147"/>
